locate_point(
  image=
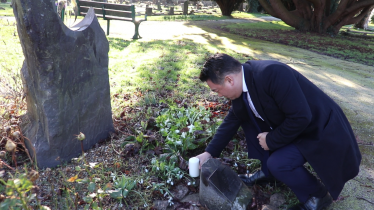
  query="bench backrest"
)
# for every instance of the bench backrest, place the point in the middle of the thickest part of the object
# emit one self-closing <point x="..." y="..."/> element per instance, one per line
<point x="106" y="9"/>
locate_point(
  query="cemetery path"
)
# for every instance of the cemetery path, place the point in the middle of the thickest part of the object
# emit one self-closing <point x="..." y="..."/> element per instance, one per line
<point x="350" y="84"/>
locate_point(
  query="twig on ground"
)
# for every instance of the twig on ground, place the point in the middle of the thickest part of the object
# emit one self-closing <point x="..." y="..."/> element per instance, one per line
<point x="2" y="162"/>
<point x="122" y="132"/>
<point x="361" y="198"/>
<point x="26" y="150"/>
<point x="111" y="142"/>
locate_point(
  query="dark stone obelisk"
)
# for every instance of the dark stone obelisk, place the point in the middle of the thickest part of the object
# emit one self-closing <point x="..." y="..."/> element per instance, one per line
<point x="65" y="76"/>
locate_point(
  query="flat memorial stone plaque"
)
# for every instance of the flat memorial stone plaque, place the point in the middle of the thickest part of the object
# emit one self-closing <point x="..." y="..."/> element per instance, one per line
<point x="228" y="187"/>
<point x="221" y="188"/>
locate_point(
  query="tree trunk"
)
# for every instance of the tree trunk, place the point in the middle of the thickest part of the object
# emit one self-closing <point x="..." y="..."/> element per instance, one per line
<point x="364" y="22"/>
<point x="321" y="16"/>
<point x="227" y="6"/>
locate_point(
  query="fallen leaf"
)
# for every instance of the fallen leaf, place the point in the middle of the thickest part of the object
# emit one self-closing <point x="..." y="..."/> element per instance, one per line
<point x="117" y="165"/>
<point x="72" y="179"/>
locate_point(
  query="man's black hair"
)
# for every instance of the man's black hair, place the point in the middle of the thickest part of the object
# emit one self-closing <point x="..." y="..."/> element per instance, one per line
<point x="218" y="66"/>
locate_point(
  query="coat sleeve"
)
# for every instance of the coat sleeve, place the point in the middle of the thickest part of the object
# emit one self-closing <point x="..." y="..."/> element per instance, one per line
<point x="224" y="134"/>
<point x="281" y="83"/>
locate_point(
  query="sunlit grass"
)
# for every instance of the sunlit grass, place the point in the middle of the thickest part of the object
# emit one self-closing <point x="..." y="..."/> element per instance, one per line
<point x="349" y="48"/>
<point x="245" y="15"/>
<point x="160" y="66"/>
<point x="273" y="25"/>
<point x="10" y="48"/>
<point x="7" y="10"/>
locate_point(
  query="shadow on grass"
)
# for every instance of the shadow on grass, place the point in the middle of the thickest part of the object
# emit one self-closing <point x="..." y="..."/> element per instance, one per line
<point x="350" y="48"/>
<point x="158" y="71"/>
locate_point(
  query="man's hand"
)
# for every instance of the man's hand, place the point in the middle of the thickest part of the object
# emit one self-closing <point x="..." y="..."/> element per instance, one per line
<point x="203" y="157"/>
<point x="262" y="140"/>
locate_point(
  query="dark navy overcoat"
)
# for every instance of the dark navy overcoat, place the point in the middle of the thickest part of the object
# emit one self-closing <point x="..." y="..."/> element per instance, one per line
<point x="295" y="111"/>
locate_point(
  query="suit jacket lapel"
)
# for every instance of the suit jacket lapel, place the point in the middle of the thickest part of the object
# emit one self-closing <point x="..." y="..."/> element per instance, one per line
<point x="249" y="80"/>
<point x="250" y="113"/>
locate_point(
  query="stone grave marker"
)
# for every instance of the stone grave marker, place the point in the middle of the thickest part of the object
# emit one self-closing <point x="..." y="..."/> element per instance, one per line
<point x="241" y="6"/>
<point x="171" y="11"/>
<point x="199" y="5"/>
<point x="185" y="8"/>
<point x="148" y="10"/>
<point x="65" y="79"/>
<point x="221" y="188"/>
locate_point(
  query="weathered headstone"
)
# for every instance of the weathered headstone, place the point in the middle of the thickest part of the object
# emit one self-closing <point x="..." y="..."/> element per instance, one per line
<point x="221" y="188"/>
<point x="245" y="5"/>
<point x="241" y="7"/>
<point x="171" y="11"/>
<point x="185" y="8"/>
<point x="199" y="5"/>
<point x="149" y="11"/>
<point x="65" y="76"/>
<point x="158" y="6"/>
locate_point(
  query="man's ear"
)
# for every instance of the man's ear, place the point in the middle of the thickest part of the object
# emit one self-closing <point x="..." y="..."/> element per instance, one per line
<point x="230" y="79"/>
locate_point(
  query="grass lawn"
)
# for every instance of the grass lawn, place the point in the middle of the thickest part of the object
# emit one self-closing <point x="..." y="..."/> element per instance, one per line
<point x="5" y="9"/>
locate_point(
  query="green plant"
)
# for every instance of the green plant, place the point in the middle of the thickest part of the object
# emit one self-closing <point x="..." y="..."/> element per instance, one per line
<point x="165" y="168"/>
<point x="181" y="127"/>
<point x="19" y="193"/>
<point x="150" y="99"/>
<point x="159" y="187"/>
<point x="89" y="198"/>
<point x="122" y="186"/>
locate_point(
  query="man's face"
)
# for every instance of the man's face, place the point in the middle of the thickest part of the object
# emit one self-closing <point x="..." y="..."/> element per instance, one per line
<point x="228" y="89"/>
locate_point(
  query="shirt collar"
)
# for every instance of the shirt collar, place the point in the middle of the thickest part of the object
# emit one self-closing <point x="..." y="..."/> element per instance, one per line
<point x="245" y="89"/>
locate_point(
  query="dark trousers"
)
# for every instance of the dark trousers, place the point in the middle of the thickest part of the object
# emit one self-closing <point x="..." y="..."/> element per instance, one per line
<point x="286" y="165"/>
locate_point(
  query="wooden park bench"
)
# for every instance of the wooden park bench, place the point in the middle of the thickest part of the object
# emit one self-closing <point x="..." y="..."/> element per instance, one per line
<point x="109" y="11"/>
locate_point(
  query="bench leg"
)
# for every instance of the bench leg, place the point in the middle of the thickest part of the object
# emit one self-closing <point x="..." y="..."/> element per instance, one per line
<point x="136" y="35"/>
<point x="107" y="28"/>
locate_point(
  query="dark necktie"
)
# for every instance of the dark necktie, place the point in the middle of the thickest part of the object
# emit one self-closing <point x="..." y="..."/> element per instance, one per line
<point x="250" y="112"/>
